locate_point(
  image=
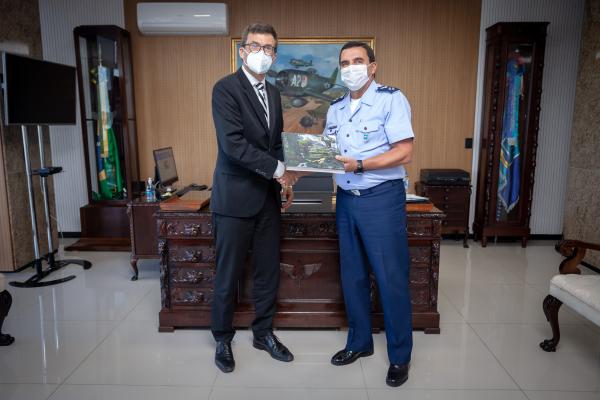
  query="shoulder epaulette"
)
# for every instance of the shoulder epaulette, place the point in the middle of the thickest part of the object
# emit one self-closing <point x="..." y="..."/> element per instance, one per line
<point x="386" y="89"/>
<point x="338" y="99"/>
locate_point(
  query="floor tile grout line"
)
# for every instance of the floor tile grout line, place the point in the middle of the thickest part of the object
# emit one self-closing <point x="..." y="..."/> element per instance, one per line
<point x="583" y="323"/>
<point x="212" y="387"/>
<point x="362" y="373"/>
<point x="84" y="359"/>
<point x="118" y="323"/>
<point x="147" y="294"/>
<point x="496" y="358"/>
<point x="525" y="394"/>
<point x="464" y="320"/>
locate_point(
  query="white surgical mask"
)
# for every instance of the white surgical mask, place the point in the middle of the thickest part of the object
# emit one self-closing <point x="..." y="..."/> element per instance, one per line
<point x="355" y="76"/>
<point x="259" y="63"/>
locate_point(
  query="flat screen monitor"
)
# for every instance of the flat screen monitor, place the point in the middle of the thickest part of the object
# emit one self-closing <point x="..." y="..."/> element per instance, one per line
<point x="166" y="170"/>
<point x="37" y="92"/>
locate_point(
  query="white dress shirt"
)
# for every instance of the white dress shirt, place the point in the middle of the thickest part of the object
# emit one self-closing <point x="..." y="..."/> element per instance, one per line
<point x="253" y="81"/>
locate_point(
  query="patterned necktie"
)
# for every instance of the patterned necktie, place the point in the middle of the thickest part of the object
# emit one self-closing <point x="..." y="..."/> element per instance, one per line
<point x="260" y="87"/>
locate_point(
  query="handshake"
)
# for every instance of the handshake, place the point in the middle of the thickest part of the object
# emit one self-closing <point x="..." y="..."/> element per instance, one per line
<point x="289" y="178"/>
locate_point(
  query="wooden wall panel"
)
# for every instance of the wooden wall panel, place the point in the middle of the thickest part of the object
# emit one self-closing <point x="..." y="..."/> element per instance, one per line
<point x="6" y="250"/>
<point x="427" y="48"/>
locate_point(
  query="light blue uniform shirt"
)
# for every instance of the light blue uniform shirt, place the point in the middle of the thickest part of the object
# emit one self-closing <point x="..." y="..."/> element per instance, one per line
<point x="381" y="118"/>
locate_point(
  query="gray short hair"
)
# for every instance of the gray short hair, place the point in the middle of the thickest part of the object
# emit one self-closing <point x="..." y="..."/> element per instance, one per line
<point x="259" y="27"/>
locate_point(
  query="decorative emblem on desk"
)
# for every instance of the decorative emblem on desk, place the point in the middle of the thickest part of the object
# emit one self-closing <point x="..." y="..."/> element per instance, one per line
<point x="298" y="272"/>
<point x="311" y="229"/>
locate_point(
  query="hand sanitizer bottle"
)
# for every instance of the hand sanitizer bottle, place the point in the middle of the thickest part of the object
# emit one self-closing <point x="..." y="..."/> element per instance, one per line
<point x="150" y="193"/>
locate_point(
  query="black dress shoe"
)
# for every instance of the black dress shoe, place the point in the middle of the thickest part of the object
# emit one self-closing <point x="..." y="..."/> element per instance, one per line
<point x="345" y="357"/>
<point x="224" y="357"/>
<point x="6" y="339"/>
<point x="273" y="346"/>
<point x="397" y="374"/>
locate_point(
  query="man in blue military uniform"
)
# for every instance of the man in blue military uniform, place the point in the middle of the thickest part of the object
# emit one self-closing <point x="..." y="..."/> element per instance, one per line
<point x="375" y="138"/>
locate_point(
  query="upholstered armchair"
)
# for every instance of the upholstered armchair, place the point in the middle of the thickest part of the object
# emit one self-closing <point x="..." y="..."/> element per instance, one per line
<point x="580" y="292"/>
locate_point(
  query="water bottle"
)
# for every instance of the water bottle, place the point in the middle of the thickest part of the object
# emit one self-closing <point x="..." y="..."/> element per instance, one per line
<point x="150" y="193"/>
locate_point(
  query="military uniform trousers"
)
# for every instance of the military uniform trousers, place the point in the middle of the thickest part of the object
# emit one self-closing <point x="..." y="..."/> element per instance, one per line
<point x="372" y="233"/>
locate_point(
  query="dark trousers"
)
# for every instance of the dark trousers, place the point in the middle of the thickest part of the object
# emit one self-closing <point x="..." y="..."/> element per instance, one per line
<point x="372" y="232"/>
<point x="233" y="238"/>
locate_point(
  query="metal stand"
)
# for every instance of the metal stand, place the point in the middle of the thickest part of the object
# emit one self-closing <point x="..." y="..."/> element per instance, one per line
<point x="53" y="264"/>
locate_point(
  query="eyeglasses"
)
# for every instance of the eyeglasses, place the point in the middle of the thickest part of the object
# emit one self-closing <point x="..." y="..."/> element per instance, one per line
<point x="255" y="48"/>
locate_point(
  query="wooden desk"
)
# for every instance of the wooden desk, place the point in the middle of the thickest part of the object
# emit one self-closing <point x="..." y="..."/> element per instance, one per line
<point x="142" y="223"/>
<point x="142" y="230"/>
<point x="310" y="294"/>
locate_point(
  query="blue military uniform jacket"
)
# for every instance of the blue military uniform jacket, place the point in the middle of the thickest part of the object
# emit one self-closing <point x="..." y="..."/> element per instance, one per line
<point x="382" y="117"/>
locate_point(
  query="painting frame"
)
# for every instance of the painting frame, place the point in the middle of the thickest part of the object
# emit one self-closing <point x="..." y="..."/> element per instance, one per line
<point x="306" y="73"/>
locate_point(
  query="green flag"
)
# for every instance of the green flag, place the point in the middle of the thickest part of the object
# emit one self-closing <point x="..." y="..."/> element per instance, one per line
<point x="107" y="152"/>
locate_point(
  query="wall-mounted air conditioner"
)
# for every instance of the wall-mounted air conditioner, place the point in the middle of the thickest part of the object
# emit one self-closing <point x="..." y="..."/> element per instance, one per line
<point x="182" y="18"/>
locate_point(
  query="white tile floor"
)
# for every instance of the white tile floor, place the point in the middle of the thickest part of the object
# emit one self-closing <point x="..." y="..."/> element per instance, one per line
<point x="96" y="338"/>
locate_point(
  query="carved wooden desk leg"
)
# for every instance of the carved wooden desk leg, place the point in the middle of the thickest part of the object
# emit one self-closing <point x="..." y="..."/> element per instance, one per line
<point x="133" y="261"/>
<point x="551" y="307"/>
<point x="465" y="244"/>
<point x="5" y="303"/>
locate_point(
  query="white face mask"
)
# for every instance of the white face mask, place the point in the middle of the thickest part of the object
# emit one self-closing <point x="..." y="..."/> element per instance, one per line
<point x="355" y="76"/>
<point x="259" y="63"/>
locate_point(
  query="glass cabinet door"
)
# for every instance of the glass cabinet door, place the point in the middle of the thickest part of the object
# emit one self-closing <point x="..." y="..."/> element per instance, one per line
<point x="99" y="58"/>
<point x="512" y="136"/>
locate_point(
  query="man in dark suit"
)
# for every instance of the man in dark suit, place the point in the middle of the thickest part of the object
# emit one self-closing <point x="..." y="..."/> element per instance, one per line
<point x="246" y="199"/>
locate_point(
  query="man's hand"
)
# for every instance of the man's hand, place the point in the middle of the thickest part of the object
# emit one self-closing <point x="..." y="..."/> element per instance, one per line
<point x="288" y="192"/>
<point x="350" y="164"/>
<point x="289" y="178"/>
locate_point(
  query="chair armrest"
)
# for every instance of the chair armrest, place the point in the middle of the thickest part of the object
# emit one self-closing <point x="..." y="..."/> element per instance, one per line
<point x="574" y="251"/>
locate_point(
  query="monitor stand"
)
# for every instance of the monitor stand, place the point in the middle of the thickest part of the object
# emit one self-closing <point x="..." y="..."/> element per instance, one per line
<point x="53" y="264"/>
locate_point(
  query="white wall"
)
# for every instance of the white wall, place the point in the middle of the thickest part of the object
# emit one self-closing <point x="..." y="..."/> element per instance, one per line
<point x="558" y="97"/>
<point x="58" y="18"/>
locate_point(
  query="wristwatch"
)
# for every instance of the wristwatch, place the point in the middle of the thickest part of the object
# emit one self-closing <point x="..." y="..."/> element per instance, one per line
<point x="359" y="167"/>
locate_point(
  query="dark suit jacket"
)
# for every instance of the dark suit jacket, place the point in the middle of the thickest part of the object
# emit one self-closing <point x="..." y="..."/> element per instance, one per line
<point x="247" y="149"/>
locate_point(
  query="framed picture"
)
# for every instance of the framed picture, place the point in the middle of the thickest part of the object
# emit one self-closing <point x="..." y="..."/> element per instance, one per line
<point x="306" y="72"/>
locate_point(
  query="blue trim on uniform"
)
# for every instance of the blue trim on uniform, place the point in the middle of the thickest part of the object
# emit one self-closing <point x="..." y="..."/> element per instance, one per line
<point x="372" y="233"/>
<point x="338" y="99"/>
<point x="386" y="89"/>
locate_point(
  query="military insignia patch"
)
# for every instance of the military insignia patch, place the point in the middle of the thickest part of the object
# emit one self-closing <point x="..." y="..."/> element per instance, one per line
<point x="386" y="89"/>
<point x="338" y="100"/>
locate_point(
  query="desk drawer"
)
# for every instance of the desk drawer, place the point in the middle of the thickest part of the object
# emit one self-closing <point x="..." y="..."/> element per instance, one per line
<point x="419" y="276"/>
<point x="448" y="208"/>
<point x="185" y="228"/>
<point x="420" y="256"/>
<point x="190" y="253"/>
<point x="184" y="275"/>
<point x="422" y="227"/>
<point x="419" y="295"/>
<point x="446" y="194"/>
<point x="192" y="296"/>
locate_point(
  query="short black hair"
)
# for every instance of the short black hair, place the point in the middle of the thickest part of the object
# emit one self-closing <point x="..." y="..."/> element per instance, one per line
<point x="365" y="46"/>
<point x="258" y="27"/>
